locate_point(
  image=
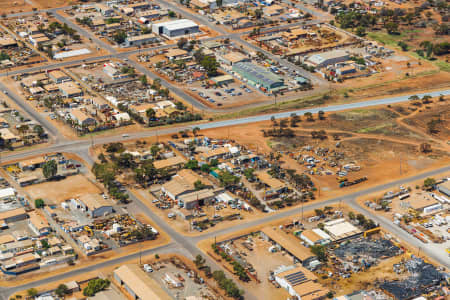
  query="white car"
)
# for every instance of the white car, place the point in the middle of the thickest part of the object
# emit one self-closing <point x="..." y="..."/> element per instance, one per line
<point x="147" y="268"/>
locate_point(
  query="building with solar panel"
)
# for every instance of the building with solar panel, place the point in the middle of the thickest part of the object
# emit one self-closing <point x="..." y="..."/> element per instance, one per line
<point x="300" y="282"/>
<point x="259" y="77"/>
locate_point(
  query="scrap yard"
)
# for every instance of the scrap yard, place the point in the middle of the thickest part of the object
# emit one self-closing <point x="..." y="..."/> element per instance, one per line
<point x="224" y="150"/>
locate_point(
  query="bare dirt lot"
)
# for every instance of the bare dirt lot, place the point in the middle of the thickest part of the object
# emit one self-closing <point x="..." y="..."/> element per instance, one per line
<point x="59" y="191"/>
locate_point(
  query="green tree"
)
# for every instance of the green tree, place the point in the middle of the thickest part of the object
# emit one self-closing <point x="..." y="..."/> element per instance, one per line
<point x="429" y="182"/>
<point x="50" y="168"/>
<point x="227" y="179"/>
<point x="210" y="64"/>
<point x="62" y="290"/>
<point x="198" y="185"/>
<point x="39" y="203"/>
<point x="320" y="252"/>
<point x="119" y="36"/>
<point x="32" y="292"/>
<point x="95" y="286"/>
<point x="39" y="130"/>
<point x="143" y="80"/>
<point x="191" y="164"/>
<point x="199" y="261"/>
<point x="150" y="113"/>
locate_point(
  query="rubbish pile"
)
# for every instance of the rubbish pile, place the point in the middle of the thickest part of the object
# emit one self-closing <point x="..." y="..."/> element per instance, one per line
<point x="424" y="278"/>
<point x="370" y="248"/>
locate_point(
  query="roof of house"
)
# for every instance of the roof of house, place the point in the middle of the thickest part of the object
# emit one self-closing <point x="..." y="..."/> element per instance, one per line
<point x="169" y="162"/>
<point x="12" y="213"/>
<point x="222" y="78"/>
<point x="94" y="201"/>
<point x="288" y="242"/>
<point x="140" y="283"/>
<point x="267" y="179"/>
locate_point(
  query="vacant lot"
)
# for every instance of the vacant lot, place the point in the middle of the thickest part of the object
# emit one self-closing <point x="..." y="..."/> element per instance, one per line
<point x="59" y="191"/>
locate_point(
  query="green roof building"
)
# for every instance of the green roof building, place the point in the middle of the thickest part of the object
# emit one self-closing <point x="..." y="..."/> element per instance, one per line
<point x="259" y="77"/>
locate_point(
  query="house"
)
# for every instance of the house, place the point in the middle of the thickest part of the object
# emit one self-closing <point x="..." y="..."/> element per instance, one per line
<point x="70" y="90"/>
<point x="94" y="204"/>
<point x="81" y="118"/>
<point x="58" y="76"/>
<point x="138" y="284"/>
<point x="3" y="123"/>
<point x="300" y="282"/>
<point x="38" y="223"/>
<point x="423" y="203"/>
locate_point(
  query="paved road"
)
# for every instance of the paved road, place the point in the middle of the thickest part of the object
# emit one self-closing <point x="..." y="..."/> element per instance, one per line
<point x="183" y="244"/>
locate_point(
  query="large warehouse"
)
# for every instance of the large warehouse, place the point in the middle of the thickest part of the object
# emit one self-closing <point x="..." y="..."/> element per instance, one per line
<point x="324" y="59"/>
<point x="175" y="28"/>
<point x="259" y="77"/>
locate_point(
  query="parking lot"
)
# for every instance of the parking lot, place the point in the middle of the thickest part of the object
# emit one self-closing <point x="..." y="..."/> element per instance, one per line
<point x="234" y="93"/>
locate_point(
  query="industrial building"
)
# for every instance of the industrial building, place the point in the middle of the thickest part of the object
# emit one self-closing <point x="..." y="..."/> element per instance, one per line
<point x="299" y="282"/>
<point x="444" y="188"/>
<point x="259" y="77"/>
<point x="324" y="59"/>
<point x="175" y="28"/>
<point x="133" y="41"/>
<point x="94" y="204"/>
<point x="341" y="229"/>
<point x="138" y="284"/>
